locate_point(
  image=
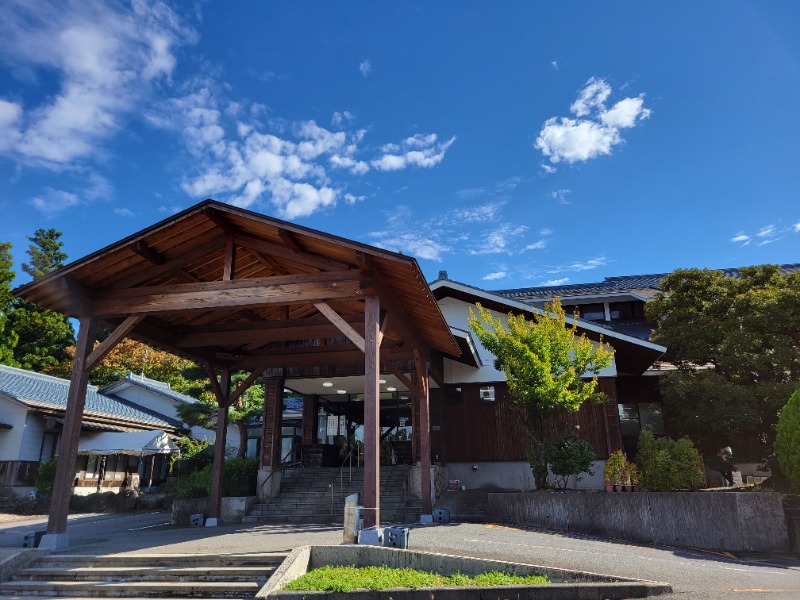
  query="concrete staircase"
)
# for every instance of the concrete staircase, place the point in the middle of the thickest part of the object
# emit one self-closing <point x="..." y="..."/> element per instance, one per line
<point x="306" y="496"/>
<point x="144" y="576"/>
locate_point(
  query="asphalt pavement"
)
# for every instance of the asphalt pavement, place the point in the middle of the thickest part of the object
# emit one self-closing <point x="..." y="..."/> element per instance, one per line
<point x="692" y="573"/>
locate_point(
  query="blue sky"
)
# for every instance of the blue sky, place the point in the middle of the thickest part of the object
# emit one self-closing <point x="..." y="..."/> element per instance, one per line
<point x="512" y="144"/>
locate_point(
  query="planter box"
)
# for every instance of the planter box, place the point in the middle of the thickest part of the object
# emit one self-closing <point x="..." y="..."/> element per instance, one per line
<point x="732" y="521"/>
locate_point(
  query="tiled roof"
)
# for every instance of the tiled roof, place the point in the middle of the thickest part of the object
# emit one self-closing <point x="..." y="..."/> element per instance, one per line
<point x="159" y="387"/>
<point x="637" y="329"/>
<point x="610" y="285"/>
<point x="35" y="389"/>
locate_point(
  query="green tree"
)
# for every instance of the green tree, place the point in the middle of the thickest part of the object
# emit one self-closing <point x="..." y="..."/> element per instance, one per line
<point x="249" y="405"/>
<point x="744" y="332"/>
<point x="8" y="337"/>
<point x="45" y="253"/>
<point x="43" y="335"/>
<point x="787" y="440"/>
<point x="550" y="369"/>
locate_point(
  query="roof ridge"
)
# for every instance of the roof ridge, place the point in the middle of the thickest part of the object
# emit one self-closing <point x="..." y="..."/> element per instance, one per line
<point x="42" y="376"/>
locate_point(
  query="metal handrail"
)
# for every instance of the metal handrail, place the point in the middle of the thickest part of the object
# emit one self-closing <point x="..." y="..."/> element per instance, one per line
<point x="283" y="466"/>
<point x="340" y="473"/>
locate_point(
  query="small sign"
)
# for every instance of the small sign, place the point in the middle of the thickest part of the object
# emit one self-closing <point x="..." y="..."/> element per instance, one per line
<point x="342" y="426"/>
<point x="333" y="425"/>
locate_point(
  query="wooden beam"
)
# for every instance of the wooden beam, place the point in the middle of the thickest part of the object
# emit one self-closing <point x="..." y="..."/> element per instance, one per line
<point x="323" y="356"/>
<point x="70" y="435"/>
<point x="281" y="289"/>
<point x="287" y="237"/>
<point x="229" y="271"/>
<point x="245" y="385"/>
<point x="406" y="381"/>
<point x="423" y="399"/>
<point x="147" y="252"/>
<point x="276" y="250"/>
<point x="112" y="340"/>
<point x="372" y="403"/>
<point x="219" y="393"/>
<point x="172" y="265"/>
<point x="341" y="324"/>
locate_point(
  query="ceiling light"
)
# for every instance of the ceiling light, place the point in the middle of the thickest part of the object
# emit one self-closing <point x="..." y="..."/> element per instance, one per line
<point x="327" y="384"/>
<point x="381" y="381"/>
<point x="341" y="391"/>
<point x="391" y="389"/>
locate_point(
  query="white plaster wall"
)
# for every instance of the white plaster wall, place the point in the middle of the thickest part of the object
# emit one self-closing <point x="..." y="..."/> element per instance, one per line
<point x="31" y="446"/>
<point x="456" y="313"/>
<point x="13" y="414"/>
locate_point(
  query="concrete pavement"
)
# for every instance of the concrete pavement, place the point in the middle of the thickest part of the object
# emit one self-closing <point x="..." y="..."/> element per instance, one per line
<point x="693" y="574"/>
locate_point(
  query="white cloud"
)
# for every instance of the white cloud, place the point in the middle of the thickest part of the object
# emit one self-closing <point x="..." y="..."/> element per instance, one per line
<point x="104" y="60"/>
<point x="553" y="282"/>
<point x="595" y="131"/>
<point x="545" y="231"/>
<point x="768" y="234"/>
<point x="417" y="151"/>
<point x="352" y="199"/>
<point x="498" y="240"/>
<point x="500" y="188"/>
<point x="123" y="212"/>
<point x="554" y="65"/>
<point x="54" y="201"/>
<point x="365" y="67"/>
<point x="561" y="196"/>
<point x="741" y="237"/>
<point x="411" y="243"/>
<point x="540" y="245"/>
<point x="477" y="214"/>
<point x="495" y="275"/>
<point x="767" y="231"/>
<point x="796" y="228"/>
<point x="339" y="118"/>
<point x="549" y="169"/>
<point x="578" y="266"/>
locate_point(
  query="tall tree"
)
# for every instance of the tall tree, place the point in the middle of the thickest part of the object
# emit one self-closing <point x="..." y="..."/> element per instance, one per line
<point x="736" y="344"/>
<point x="8" y="337"/>
<point x="550" y="369"/>
<point x="43" y="335"/>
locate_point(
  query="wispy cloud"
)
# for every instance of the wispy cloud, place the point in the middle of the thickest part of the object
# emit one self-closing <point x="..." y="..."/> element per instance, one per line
<point x="365" y="67"/>
<point x="123" y="212"/>
<point x="561" y="196"/>
<point x="768" y="234"/>
<point x="499" y="189"/>
<point x="540" y="245"/>
<point x="496" y="275"/>
<point x="578" y="266"/>
<point x="553" y="282"/>
<point x="597" y="128"/>
<point x="554" y="65"/>
<point x="417" y="151"/>
<point x="52" y="201"/>
<point x="499" y="240"/>
<point x="338" y="118"/>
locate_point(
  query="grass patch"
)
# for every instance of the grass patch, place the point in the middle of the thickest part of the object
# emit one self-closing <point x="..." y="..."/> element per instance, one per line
<point x="346" y="579"/>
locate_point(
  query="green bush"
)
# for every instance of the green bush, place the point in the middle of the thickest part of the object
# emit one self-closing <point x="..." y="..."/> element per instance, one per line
<point x="194" y="456"/>
<point x="668" y="464"/>
<point x="787" y="440"/>
<point x="239" y="480"/>
<point x="45" y="476"/>
<point x="569" y="456"/>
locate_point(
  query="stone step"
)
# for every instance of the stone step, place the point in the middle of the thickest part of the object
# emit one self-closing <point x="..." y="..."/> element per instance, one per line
<point x="149" y="573"/>
<point x="131" y="589"/>
<point x="163" y="560"/>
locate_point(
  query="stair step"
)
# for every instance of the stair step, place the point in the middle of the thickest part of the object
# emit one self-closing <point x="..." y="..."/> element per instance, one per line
<point x="163" y="560"/>
<point x="142" y="589"/>
<point x="150" y="573"/>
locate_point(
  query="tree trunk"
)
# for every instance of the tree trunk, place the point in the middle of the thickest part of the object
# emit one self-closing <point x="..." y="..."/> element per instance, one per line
<point x="242" y="425"/>
<point x="537" y="428"/>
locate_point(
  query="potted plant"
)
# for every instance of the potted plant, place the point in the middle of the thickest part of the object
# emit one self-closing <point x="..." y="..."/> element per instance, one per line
<point x="634" y="476"/>
<point x="614" y="471"/>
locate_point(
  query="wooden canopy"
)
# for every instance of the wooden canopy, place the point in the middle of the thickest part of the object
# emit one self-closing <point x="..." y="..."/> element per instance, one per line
<point x="235" y="289"/>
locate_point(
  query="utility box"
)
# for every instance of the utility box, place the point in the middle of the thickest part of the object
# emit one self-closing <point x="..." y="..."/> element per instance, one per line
<point x="196" y="520"/>
<point x="395" y="537"/>
<point x="441" y="515"/>
<point x="31" y="539"/>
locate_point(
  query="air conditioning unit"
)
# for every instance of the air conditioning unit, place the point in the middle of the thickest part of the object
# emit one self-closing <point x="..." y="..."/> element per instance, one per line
<point x="487" y="393"/>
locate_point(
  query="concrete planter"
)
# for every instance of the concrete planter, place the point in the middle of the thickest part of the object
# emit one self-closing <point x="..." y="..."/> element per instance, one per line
<point x="732" y="521"/>
<point x="233" y="510"/>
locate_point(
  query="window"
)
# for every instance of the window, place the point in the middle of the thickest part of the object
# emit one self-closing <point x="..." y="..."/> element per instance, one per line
<point x="487" y="393"/>
<point x="634" y="418"/>
<point x="593" y="312"/>
<point x="621" y="310"/>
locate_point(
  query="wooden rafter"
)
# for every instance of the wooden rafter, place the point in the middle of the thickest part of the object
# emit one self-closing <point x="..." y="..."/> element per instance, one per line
<point x="341" y="324"/>
<point x="112" y="340"/>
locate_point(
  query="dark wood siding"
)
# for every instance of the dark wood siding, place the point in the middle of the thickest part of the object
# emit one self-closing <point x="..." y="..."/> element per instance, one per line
<point x="472" y="430"/>
<point x="18" y="472"/>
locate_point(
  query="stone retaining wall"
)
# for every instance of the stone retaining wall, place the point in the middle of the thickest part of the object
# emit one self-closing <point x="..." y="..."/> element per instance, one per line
<point x="732" y="521"/>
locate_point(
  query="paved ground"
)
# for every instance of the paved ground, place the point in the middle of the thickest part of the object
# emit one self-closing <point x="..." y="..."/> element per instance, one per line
<point x="693" y="574"/>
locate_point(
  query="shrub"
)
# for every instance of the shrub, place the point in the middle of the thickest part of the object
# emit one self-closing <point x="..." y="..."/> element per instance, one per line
<point x="787" y="440"/>
<point x="239" y="480"/>
<point x="45" y="476"/>
<point x="668" y="464"/>
<point x="569" y="456"/>
<point x="195" y="455"/>
<point x="614" y="471"/>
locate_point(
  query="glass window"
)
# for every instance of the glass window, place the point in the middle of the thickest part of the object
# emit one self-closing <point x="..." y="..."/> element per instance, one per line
<point x="487" y="393"/>
<point x="621" y="310"/>
<point x="629" y="419"/>
<point x="593" y="312"/>
<point x="651" y="417"/>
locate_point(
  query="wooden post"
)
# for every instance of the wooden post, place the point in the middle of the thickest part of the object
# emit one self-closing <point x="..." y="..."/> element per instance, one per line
<point x="421" y="373"/>
<point x="310" y="413"/>
<point x="70" y="435"/>
<point x="273" y="423"/>
<point x="372" y="409"/>
<point x="218" y="470"/>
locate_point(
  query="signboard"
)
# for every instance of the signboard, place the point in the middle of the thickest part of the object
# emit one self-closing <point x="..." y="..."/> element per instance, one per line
<point x="333" y="425"/>
<point x="342" y="426"/>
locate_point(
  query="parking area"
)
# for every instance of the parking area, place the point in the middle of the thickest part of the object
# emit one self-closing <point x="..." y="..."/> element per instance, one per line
<point x="693" y="574"/>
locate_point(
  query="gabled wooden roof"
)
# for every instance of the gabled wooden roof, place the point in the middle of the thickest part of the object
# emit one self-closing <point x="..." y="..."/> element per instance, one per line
<point x="221" y="284"/>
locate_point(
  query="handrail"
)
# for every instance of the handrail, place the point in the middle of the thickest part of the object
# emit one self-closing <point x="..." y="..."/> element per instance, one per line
<point x="283" y="466"/>
<point x="340" y="473"/>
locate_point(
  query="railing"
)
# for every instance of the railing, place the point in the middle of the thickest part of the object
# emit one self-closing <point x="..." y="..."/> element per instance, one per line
<point x="347" y="460"/>
<point x="282" y="468"/>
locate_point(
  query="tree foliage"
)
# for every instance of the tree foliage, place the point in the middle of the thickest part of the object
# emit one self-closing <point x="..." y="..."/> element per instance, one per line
<point x="45" y="253"/>
<point x="668" y="464"/>
<point x="567" y="457"/>
<point x="548" y="366"/>
<point x="8" y="337"/>
<point x="787" y="440"/>
<point x="746" y="332"/>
